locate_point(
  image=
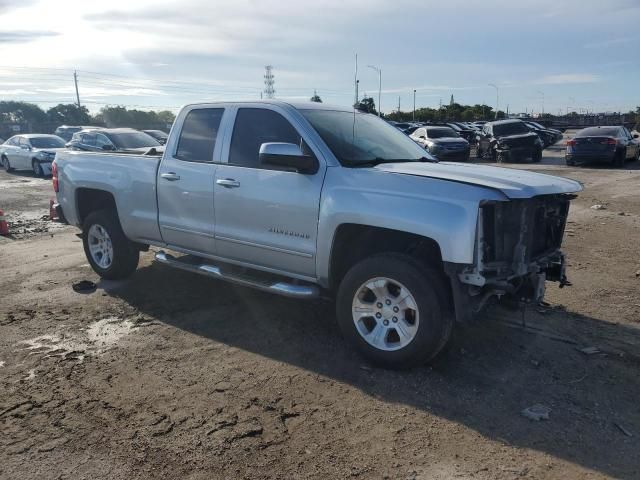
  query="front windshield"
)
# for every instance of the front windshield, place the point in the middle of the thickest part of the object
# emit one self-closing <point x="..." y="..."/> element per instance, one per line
<point x="46" y="142"/>
<point x="362" y="138"/>
<point x="441" y="132"/>
<point x="133" y="140"/>
<point x="512" y="128"/>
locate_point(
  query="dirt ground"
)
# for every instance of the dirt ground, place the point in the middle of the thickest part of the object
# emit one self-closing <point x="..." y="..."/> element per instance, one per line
<point x="172" y="375"/>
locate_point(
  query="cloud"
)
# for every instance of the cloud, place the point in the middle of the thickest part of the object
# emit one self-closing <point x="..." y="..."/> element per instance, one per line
<point x="22" y="36"/>
<point x="568" y="79"/>
<point x="611" y="42"/>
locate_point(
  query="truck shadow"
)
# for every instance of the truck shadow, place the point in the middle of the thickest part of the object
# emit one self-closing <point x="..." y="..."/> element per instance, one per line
<point x="495" y="369"/>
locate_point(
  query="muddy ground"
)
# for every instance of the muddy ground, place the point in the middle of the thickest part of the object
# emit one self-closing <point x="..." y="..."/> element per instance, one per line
<point x="172" y="375"/>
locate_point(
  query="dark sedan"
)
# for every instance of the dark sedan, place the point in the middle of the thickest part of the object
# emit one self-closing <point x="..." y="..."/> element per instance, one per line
<point x="159" y="135"/>
<point x="122" y="140"/>
<point x="614" y="145"/>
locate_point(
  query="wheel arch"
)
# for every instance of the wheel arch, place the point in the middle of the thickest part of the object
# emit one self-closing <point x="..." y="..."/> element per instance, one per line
<point x="89" y="200"/>
<point x="354" y="242"/>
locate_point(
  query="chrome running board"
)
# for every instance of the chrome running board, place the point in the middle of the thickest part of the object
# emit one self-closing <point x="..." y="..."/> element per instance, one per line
<point x="192" y="264"/>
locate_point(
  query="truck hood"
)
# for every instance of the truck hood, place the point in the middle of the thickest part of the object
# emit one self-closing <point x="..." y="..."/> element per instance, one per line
<point x="511" y="182"/>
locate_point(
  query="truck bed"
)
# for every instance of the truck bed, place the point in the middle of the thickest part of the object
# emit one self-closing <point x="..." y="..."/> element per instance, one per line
<point x="130" y="178"/>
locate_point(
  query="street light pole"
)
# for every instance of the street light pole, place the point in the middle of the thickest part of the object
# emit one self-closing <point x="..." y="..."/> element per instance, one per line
<point x="497" y="98"/>
<point x="542" y="93"/>
<point x="414" y="104"/>
<point x="379" y="86"/>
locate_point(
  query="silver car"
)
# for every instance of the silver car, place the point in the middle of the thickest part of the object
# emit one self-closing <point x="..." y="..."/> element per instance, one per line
<point x="30" y="152"/>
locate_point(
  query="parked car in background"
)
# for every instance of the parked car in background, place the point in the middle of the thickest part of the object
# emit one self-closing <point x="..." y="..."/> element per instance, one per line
<point x="123" y="140"/>
<point x="444" y="143"/>
<point x="310" y="199"/>
<point x="66" y="131"/>
<point x="469" y="134"/>
<point x="547" y="135"/>
<point x="159" y="135"/>
<point x="614" y="145"/>
<point x="509" y="141"/>
<point x="30" y="152"/>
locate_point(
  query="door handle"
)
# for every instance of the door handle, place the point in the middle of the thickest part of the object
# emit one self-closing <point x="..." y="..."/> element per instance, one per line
<point x="171" y="176"/>
<point x="228" y="182"/>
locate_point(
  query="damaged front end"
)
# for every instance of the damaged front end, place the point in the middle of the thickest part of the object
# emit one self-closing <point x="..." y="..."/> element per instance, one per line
<point x="517" y="250"/>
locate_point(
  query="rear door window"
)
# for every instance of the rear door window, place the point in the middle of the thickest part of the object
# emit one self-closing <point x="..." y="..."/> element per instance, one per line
<point x="198" y="136"/>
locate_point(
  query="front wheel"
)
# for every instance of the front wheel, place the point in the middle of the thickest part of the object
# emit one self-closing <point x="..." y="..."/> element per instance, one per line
<point x="395" y="311"/>
<point x="110" y="253"/>
<point x="537" y="156"/>
<point x="37" y="168"/>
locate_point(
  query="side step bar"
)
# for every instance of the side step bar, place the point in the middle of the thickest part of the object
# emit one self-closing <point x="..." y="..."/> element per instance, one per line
<point x="278" y="287"/>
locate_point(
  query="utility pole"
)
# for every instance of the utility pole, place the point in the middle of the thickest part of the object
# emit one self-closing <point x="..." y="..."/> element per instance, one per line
<point x="414" y="104"/>
<point x="398" y="103"/>
<point x="379" y="87"/>
<point x="356" y="81"/>
<point x="75" y="80"/>
<point x="497" y="98"/>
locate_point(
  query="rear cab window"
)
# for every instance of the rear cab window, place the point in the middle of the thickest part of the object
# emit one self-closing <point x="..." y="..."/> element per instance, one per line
<point x="197" y="139"/>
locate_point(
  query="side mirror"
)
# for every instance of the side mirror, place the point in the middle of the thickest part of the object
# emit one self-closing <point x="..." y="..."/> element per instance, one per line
<point x="287" y="155"/>
<point x="25" y="147"/>
<point x="107" y="147"/>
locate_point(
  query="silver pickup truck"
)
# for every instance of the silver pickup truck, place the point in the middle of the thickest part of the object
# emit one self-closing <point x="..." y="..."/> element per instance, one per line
<point x="309" y="200"/>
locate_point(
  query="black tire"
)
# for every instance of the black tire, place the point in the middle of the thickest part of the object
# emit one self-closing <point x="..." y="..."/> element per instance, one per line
<point x="428" y="288"/>
<point x="537" y="156"/>
<point x="570" y="163"/>
<point x="37" y="168"/>
<point x="619" y="159"/>
<point x="125" y="254"/>
<point x="6" y="164"/>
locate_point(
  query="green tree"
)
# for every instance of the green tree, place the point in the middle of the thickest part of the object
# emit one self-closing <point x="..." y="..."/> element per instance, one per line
<point x="69" y="114"/>
<point x="367" y="104"/>
<point x="21" y="112"/>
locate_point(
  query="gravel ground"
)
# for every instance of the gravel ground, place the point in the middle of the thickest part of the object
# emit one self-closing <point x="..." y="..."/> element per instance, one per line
<point x="174" y="375"/>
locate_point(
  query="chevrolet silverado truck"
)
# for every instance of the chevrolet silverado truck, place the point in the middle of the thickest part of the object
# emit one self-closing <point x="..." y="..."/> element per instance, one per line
<point x="309" y="200"/>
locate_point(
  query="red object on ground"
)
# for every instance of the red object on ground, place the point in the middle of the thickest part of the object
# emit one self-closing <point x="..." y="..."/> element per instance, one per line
<point x="53" y="215"/>
<point x="4" y="227"/>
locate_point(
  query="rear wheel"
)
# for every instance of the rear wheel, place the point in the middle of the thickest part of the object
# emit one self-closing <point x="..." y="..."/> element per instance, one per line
<point x="395" y="311"/>
<point x="109" y="251"/>
<point x="6" y="164"/>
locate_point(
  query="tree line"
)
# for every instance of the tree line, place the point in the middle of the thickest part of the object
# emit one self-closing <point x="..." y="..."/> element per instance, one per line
<point x="31" y="117"/>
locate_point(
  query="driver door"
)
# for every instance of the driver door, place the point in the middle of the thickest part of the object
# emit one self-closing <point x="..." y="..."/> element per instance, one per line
<point x="265" y="216"/>
<point x="23" y="155"/>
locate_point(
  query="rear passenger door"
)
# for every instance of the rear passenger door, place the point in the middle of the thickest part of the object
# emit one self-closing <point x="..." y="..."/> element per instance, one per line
<point x="186" y="180"/>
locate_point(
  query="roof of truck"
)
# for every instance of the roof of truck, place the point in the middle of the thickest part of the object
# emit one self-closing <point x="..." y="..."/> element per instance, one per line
<point x="297" y="105"/>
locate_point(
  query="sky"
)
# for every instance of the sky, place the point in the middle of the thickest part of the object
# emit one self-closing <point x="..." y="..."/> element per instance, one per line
<point x="540" y="54"/>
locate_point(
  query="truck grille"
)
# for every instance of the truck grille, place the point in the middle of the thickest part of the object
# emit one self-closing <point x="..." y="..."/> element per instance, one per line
<point x="522" y="230"/>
